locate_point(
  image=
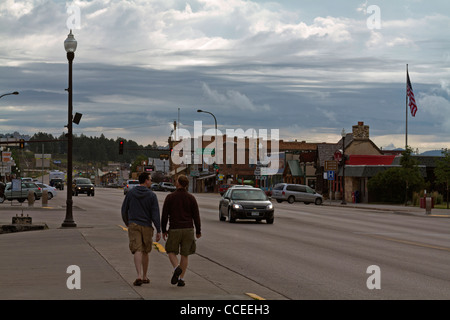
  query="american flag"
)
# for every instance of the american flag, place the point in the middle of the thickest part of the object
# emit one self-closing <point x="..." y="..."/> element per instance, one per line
<point x="410" y="94"/>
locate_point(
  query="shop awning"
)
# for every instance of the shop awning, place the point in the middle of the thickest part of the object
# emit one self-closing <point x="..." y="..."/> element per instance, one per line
<point x="370" y="171"/>
<point x="206" y="177"/>
<point x="295" y="169"/>
<point x="370" y="160"/>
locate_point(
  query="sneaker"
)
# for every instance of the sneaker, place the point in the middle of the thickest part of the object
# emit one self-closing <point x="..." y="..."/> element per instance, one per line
<point x="181" y="283"/>
<point x="176" y="274"/>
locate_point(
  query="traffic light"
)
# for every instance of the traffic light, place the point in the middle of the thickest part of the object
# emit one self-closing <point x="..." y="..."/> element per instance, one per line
<point x="22" y="143"/>
<point x="216" y="168"/>
<point x="121" y="147"/>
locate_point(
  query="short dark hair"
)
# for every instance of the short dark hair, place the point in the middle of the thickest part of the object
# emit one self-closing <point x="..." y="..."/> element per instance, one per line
<point x="183" y="181"/>
<point x="143" y="177"/>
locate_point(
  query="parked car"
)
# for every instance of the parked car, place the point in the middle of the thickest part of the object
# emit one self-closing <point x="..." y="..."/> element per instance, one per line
<point x="82" y="185"/>
<point x="130" y="184"/>
<point x="166" y="186"/>
<point x="245" y="203"/>
<point x="296" y="192"/>
<point x="22" y="194"/>
<point x="223" y="188"/>
<point x="58" y="183"/>
<point x="154" y="186"/>
<point x="51" y="191"/>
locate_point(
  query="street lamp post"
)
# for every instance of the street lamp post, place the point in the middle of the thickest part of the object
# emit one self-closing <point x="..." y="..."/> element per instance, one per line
<point x="216" y="151"/>
<point x="70" y="44"/>
<point x="343" y="134"/>
<point x="7" y="94"/>
<point x="215" y="123"/>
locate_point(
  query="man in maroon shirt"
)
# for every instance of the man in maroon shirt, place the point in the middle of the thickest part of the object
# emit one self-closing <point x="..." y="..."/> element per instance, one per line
<point x="180" y="209"/>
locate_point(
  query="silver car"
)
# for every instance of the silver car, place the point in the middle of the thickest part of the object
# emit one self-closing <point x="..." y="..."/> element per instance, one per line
<point x="296" y="192"/>
<point x="130" y="184"/>
<point x="21" y="194"/>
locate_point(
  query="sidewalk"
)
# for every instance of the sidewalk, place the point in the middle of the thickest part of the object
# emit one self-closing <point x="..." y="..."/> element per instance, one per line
<point x="393" y="208"/>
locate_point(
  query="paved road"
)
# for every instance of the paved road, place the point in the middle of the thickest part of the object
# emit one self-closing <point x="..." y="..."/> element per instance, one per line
<point x="310" y="252"/>
<point x="323" y="252"/>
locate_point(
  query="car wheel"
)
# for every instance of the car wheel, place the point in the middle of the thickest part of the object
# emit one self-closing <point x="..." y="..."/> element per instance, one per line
<point x="318" y="201"/>
<point x="2" y="199"/>
<point x="291" y="199"/>
<point x="221" y="217"/>
<point x="279" y="200"/>
<point x="230" y="218"/>
<point x="50" y="195"/>
<point x="270" y="221"/>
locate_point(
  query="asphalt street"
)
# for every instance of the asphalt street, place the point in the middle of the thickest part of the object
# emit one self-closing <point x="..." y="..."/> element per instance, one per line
<point x="325" y="252"/>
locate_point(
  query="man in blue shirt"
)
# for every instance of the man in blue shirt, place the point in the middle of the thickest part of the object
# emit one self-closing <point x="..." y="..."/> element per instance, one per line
<point x="140" y="210"/>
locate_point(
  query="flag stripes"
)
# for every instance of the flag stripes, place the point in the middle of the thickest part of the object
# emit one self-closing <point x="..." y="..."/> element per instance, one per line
<point x="410" y="94"/>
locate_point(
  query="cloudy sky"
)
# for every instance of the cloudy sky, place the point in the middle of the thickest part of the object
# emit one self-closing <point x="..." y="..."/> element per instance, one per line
<point x="308" y="68"/>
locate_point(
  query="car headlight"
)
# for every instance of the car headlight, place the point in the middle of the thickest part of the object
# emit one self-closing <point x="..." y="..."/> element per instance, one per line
<point x="237" y="206"/>
<point x="269" y="206"/>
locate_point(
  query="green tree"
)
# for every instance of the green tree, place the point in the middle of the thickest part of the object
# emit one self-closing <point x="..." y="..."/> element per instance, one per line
<point x="442" y="171"/>
<point x="411" y="174"/>
<point x="397" y="184"/>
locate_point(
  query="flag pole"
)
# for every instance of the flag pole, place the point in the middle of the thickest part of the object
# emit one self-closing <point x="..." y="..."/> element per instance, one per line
<point x="406" y="107"/>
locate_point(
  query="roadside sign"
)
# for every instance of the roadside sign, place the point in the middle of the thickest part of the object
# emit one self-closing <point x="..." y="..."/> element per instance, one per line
<point x="330" y="175"/>
<point x="6" y="156"/>
<point x="331" y="165"/>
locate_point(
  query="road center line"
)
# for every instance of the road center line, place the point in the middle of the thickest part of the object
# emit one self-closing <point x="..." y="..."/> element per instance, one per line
<point x="417" y="244"/>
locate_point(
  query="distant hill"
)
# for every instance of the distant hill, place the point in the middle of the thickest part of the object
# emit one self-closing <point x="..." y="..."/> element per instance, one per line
<point x="433" y="153"/>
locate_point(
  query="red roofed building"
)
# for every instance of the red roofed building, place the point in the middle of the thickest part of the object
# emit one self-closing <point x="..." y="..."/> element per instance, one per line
<point x="363" y="161"/>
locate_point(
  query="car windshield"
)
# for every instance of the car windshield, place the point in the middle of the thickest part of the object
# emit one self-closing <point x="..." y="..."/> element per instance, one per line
<point x="246" y="194"/>
<point x="84" y="181"/>
<point x="133" y="182"/>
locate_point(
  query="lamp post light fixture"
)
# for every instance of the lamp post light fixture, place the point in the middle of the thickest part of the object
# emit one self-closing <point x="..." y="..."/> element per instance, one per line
<point x="7" y="94"/>
<point x="343" y="134"/>
<point x="70" y="44"/>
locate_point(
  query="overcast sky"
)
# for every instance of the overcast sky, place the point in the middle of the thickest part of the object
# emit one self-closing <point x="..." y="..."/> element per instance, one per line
<point x="308" y="68"/>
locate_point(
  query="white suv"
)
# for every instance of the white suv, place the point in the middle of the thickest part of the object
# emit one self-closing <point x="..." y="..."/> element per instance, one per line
<point x="296" y="192"/>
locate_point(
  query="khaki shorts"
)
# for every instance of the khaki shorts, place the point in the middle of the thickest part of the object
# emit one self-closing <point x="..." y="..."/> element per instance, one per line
<point x="141" y="238"/>
<point x="181" y="241"/>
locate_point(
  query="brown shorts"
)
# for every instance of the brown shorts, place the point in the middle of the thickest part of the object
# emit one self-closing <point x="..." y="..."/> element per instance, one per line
<point x="181" y="241"/>
<point x="141" y="238"/>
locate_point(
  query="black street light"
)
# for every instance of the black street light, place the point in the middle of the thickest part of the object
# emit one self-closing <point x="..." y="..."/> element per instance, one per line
<point x="343" y="134"/>
<point x="70" y="44"/>
<point x="215" y="123"/>
<point x="7" y="94"/>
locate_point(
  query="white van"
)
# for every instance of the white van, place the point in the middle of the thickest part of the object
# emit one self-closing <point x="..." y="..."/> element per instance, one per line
<point x="296" y="192"/>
